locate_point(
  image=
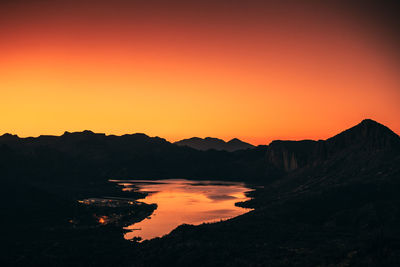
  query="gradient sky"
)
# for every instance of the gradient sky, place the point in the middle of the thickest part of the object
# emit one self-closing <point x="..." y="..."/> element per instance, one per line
<point x="179" y="69"/>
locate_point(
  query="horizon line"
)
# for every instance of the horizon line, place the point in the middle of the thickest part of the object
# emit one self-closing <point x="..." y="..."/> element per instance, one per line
<point x="177" y="140"/>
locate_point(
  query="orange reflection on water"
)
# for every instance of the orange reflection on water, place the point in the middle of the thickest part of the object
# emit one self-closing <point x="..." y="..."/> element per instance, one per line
<point x="190" y="202"/>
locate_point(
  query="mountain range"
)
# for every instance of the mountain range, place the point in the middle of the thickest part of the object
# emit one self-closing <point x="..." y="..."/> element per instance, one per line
<point x="214" y="143"/>
<point x="332" y="202"/>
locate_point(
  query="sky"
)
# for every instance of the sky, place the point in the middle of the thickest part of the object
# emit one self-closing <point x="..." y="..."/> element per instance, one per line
<point x="255" y="70"/>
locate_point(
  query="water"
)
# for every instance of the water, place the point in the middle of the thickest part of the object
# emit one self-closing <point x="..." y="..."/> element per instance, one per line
<point x="182" y="201"/>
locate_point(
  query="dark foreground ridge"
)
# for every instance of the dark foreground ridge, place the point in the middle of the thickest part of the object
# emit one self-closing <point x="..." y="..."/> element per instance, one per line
<point x="331" y="202"/>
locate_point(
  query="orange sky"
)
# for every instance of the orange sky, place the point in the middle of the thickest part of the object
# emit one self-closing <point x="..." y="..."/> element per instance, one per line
<point x="254" y="72"/>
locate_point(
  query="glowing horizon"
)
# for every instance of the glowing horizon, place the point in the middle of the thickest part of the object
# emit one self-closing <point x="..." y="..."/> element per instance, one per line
<point x="264" y="74"/>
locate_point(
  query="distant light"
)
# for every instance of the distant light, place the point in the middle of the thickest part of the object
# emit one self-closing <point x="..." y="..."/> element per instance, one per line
<point x="103" y="220"/>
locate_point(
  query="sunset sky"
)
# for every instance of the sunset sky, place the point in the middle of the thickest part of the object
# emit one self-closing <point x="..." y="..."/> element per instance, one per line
<point x="173" y="69"/>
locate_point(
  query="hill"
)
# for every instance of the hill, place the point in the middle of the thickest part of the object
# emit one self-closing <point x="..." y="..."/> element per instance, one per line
<point x="331" y="202"/>
<point x="95" y="156"/>
<point x="336" y="205"/>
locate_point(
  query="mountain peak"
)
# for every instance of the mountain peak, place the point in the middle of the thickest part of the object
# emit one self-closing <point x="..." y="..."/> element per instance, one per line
<point x="369" y="121"/>
<point x="364" y="140"/>
<point x="235" y="140"/>
<point x="368" y="135"/>
<point x="368" y="129"/>
<point x="86" y="134"/>
<point x="8" y="137"/>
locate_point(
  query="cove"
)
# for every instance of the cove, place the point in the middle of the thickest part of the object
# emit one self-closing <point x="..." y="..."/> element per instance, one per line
<point x="181" y="201"/>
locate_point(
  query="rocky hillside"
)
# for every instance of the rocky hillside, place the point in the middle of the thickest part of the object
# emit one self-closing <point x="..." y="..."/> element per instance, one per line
<point x="364" y="139"/>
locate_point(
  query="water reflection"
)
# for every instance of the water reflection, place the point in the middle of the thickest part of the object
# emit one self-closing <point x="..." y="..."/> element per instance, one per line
<point x="181" y="201"/>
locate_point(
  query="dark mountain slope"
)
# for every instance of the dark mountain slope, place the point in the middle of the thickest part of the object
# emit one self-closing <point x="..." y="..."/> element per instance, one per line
<point x="214" y="143"/>
<point x="369" y="134"/>
<point x="85" y="156"/>
<point x="290" y="155"/>
<point x="340" y="207"/>
<point x="361" y="141"/>
<point x="331" y="202"/>
<point x="42" y="178"/>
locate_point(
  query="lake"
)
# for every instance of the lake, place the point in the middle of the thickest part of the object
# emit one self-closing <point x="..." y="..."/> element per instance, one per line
<point x="182" y="201"/>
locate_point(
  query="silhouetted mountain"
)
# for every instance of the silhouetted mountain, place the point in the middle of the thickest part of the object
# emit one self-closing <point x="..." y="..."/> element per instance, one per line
<point x="337" y="205"/>
<point x="214" y="143"/>
<point x="360" y="141"/>
<point x="368" y="136"/>
<point x="93" y="156"/>
<point x="331" y="202"/>
<point x="366" y="153"/>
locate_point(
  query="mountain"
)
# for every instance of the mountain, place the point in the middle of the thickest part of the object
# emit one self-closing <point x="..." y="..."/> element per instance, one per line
<point x="332" y="202"/>
<point x="84" y="156"/>
<point x="214" y="143"/>
<point x="337" y="204"/>
<point x="359" y="142"/>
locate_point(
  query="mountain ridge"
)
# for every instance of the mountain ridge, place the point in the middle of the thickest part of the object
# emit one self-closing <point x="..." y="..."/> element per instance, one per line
<point x="337" y="204"/>
<point x="368" y="136"/>
<point x="316" y="203"/>
<point x="136" y="154"/>
<point x="214" y="143"/>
